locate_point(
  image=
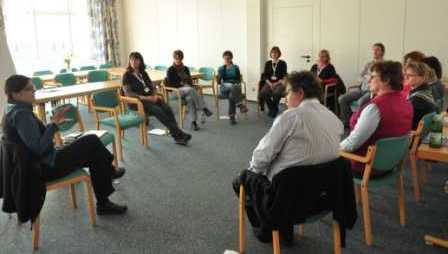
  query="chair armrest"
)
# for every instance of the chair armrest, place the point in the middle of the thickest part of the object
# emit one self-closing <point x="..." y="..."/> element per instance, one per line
<point x="355" y="157"/>
<point x="103" y="109"/>
<point x="134" y="101"/>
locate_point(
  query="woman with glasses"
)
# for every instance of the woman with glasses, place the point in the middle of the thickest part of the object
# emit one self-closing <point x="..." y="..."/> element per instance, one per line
<point x="421" y="94"/>
<point x="388" y="114"/>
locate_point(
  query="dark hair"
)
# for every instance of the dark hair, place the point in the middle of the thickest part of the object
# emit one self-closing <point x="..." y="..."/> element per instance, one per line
<point x="179" y="54"/>
<point x="434" y="64"/>
<point x="414" y="56"/>
<point x="227" y="53"/>
<point x="138" y="56"/>
<point x="275" y="49"/>
<point x="381" y="46"/>
<point x="306" y="81"/>
<point x="390" y="72"/>
<point x="15" y="84"/>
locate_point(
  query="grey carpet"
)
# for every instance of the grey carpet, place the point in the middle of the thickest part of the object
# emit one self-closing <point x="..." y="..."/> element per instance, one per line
<point x="180" y="201"/>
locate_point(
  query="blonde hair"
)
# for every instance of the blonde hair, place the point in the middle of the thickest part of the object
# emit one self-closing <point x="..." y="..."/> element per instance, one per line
<point x="327" y="53"/>
<point x="423" y="70"/>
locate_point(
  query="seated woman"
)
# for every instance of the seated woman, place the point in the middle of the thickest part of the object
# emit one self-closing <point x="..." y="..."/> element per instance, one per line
<point x="388" y="114"/>
<point x="178" y="76"/>
<point x="136" y="83"/>
<point x="272" y="84"/>
<point x="21" y="126"/>
<point x="323" y="69"/>
<point x="420" y="96"/>
<point x="438" y="89"/>
<point x="413" y="56"/>
<point x="229" y="79"/>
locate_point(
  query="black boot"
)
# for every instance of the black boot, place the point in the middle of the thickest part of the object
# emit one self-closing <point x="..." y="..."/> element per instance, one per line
<point x="207" y="112"/>
<point x="232" y="120"/>
<point x="194" y="126"/>
<point x="109" y="208"/>
<point x="118" y="173"/>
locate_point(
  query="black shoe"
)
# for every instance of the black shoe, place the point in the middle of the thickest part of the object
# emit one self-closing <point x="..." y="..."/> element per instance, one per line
<point x="287" y="236"/>
<point x="187" y="136"/>
<point x="118" y="173"/>
<point x="194" y="126"/>
<point x="232" y="120"/>
<point x="207" y="112"/>
<point x="181" y="141"/>
<point x="109" y="208"/>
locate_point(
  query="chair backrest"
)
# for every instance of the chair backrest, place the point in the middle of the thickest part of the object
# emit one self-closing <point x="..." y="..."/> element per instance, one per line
<point x="66" y="79"/>
<point x="87" y="68"/>
<point x="390" y="152"/>
<point x="106" y="66"/>
<point x="63" y="71"/>
<point x="41" y="73"/>
<point x="71" y="115"/>
<point x="160" y="68"/>
<point x="106" y="99"/>
<point x="38" y="84"/>
<point x="74" y="69"/>
<point x="97" y="76"/>
<point x="207" y="73"/>
<point x="191" y="68"/>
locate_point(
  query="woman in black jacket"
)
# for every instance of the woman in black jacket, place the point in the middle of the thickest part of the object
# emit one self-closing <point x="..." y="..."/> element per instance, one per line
<point x="137" y="84"/>
<point x="323" y="69"/>
<point x="272" y="84"/>
<point x="178" y="76"/>
<point x="21" y="126"/>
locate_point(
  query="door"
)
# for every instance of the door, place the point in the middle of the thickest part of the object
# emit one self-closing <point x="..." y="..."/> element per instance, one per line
<point x="293" y="27"/>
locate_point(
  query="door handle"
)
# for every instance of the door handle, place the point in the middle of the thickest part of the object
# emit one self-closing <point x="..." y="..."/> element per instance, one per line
<point x="306" y="56"/>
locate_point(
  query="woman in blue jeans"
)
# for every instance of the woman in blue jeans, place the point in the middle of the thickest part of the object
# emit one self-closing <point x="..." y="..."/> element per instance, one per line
<point x="229" y="79"/>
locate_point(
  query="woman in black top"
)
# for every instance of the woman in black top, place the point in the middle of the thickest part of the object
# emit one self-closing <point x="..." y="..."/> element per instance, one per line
<point x="22" y="127"/>
<point x="421" y="94"/>
<point x="136" y="83"/>
<point x="438" y="89"/>
<point x="272" y="85"/>
<point x="178" y="76"/>
<point x="323" y="69"/>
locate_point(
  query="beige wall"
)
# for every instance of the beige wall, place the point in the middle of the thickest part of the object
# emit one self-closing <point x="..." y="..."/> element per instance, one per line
<point x="348" y="28"/>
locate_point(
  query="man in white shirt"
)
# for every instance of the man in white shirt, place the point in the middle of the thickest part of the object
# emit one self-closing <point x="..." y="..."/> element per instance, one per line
<point x="305" y="134"/>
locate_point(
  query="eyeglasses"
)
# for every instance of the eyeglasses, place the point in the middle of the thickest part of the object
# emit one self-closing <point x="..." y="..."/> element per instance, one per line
<point x="29" y="88"/>
<point x="373" y="76"/>
<point x="410" y="75"/>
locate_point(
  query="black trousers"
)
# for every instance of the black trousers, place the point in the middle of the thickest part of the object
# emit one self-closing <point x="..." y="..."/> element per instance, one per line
<point x="272" y="97"/>
<point x="87" y="151"/>
<point x="164" y="114"/>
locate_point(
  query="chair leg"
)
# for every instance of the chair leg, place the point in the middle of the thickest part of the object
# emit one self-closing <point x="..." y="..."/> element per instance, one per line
<point x="114" y="152"/>
<point x="215" y="96"/>
<point x="336" y="238"/>
<point x="276" y="241"/>
<point x="119" y="145"/>
<point x="90" y="203"/>
<point x="415" y="181"/>
<point x="242" y="206"/>
<point x="357" y="193"/>
<point x="72" y="193"/>
<point x="401" y="201"/>
<point x="301" y="232"/>
<point x="145" y="135"/>
<point x="366" y="215"/>
<point x="36" y="233"/>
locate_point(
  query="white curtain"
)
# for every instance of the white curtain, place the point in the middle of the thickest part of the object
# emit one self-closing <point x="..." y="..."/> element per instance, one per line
<point x="7" y="66"/>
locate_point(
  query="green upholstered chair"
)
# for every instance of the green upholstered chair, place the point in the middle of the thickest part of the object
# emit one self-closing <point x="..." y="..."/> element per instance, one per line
<point x="387" y="156"/>
<point x="87" y="68"/>
<point x="97" y="76"/>
<point x="66" y="79"/>
<point x="160" y="68"/>
<point x="111" y="102"/>
<point x="41" y="73"/>
<point x="37" y="82"/>
<point x="106" y="66"/>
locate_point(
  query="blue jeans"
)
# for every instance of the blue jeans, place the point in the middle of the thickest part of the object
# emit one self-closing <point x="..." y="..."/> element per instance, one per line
<point x="233" y="93"/>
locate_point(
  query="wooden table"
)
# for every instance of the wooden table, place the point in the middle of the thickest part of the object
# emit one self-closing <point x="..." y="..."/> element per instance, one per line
<point x="54" y="94"/>
<point x="155" y="75"/>
<point x="425" y="152"/>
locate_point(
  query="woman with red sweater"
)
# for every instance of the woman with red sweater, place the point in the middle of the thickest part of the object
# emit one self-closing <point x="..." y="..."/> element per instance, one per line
<point x="388" y="114"/>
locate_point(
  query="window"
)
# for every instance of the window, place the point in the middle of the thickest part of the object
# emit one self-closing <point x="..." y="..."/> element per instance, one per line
<point x="41" y="33"/>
